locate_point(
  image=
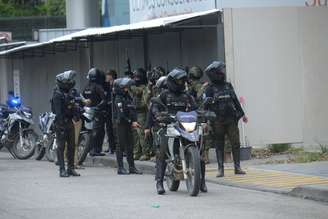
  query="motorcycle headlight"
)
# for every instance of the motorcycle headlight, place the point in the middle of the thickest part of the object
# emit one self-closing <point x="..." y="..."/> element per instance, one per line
<point x="28" y="115"/>
<point x="189" y="126"/>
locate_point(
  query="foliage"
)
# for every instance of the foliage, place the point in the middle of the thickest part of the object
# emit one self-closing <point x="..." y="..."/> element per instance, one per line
<point x="278" y="148"/>
<point x="17" y="8"/>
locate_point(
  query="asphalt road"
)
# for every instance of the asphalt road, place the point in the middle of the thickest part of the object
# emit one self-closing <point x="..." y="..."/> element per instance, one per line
<point x="32" y="189"/>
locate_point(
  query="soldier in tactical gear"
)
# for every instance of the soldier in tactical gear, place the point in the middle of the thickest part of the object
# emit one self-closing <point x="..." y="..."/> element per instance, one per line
<point x="141" y="148"/>
<point x="196" y="88"/>
<point x="95" y="94"/>
<point x="225" y="104"/>
<point x="151" y="127"/>
<point x="125" y="119"/>
<point x="153" y="76"/>
<point x="64" y="107"/>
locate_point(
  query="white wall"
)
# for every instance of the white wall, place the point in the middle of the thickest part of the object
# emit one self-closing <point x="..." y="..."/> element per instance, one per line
<point x="314" y="43"/>
<point x="274" y="64"/>
<point x="82" y="14"/>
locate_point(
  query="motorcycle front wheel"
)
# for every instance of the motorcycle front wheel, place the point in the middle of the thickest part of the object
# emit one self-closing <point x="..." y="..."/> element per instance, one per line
<point x="24" y="148"/>
<point x="51" y="152"/>
<point x="193" y="171"/>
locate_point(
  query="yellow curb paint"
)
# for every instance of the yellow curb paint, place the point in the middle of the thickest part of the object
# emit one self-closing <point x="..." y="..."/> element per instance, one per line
<point x="270" y="178"/>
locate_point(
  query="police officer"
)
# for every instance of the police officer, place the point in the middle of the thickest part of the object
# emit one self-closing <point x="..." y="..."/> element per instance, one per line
<point x="125" y="119"/>
<point x="64" y="107"/>
<point x="174" y="99"/>
<point x="111" y="75"/>
<point x="224" y="102"/>
<point x="94" y="92"/>
<point x="141" y="149"/>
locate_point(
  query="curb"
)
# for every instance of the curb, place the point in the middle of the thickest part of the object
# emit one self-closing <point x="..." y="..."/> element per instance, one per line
<point x="315" y="192"/>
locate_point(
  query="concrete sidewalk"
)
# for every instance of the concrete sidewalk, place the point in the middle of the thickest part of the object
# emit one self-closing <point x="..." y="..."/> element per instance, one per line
<point x="307" y="181"/>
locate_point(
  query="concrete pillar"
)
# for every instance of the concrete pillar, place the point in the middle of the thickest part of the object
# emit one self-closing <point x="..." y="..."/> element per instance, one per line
<point x="3" y="79"/>
<point x="82" y="14"/>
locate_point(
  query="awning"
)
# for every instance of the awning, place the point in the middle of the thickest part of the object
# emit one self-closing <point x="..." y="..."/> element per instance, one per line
<point x="7" y="46"/>
<point x="97" y="32"/>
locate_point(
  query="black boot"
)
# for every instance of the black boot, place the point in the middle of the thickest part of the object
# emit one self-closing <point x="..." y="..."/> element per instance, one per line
<point x="133" y="170"/>
<point x="120" y="167"/>
<point x="236" y="160"/>
<point x="203" y="187"/>
<point x="63" y="173"/>
<point x="160" y="171"/>
<point x="72" y="172"/>
<point x="220" y="160"/>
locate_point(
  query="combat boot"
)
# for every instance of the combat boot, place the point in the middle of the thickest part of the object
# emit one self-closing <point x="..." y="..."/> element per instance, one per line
<point x="133" y="170"/>
<point x="236" y="160"/>
<point x="203" y="187"/>
<point x="63" y="173"/>
<point x="72" y="172"/>
<point x="160" y="171"/>
<point x="120" y="167"/>
<point x="220" y="160"/>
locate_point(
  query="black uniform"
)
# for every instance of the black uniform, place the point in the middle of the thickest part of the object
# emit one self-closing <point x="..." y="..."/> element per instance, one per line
<point x="65" y="109"/>
<point x="124" y="115"/>
<point x="225" y="104"/>
<point x="95" y="93"/>
<point x="109" y="117"/>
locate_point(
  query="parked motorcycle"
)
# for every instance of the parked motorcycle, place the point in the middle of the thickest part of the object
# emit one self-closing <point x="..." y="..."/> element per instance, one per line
<point x="185" y="132"/>
<point x="84" y="145"/>
<point x="16" y="133"/>
<point x="47" y="144"/>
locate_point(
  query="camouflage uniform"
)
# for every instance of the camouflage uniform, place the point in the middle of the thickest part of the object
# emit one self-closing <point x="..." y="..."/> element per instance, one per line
<point x="196" y="89"/>
<point x="140" y="146"/>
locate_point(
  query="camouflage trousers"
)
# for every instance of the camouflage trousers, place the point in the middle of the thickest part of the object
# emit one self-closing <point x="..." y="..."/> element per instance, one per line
<point x="141" y="146"/>
<point x="223" y="130"/>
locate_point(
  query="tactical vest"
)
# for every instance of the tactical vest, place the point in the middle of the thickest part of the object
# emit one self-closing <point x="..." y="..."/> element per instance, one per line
<point x="223" y="102"/>
<point x="177" y="103"/>
<point x="90" y="93"/>
<point x="138" y="98"/>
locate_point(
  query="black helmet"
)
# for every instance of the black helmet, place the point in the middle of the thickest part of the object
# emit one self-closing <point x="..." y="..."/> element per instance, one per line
<point x="66" y="80"/>
<point x="140" y="76"/>
<point x="176" y="80"/>
<point x="113" y="73"/>
<point x="155" y="74"/>
<point x="97" y="76"/>
<point x="121" y="83"/>
<point x="161" y="83"/>
<point x="216" y="72"/>
<point x="196" y="72"/>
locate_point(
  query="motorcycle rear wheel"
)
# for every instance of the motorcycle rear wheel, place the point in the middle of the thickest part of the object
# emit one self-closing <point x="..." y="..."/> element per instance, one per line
<point x="39" y="151"/>
<point x="193" y="171"/>
<point x="83" y="147"/>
